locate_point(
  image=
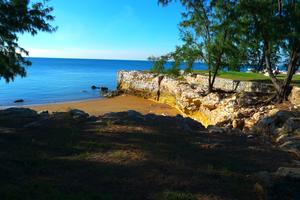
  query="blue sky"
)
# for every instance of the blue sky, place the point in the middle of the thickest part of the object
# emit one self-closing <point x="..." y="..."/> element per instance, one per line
<point x="108" y="29"/>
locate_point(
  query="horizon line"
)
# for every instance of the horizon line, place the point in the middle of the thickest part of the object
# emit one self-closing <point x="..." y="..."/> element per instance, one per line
<point x="119" y="59"/>
<point x="80" y="58"/>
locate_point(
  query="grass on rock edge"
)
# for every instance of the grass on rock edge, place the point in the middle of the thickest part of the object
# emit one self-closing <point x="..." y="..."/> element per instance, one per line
<point x="248" y="76"/>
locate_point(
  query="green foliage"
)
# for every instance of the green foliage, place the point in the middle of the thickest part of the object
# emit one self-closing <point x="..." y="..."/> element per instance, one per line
<point x="273" y="30"/>
<point x="158" y="64"/>
<point x="233" y="33"/>
<point x="209" y="36"/>
<point x="18" y="17"/>
<point x="258" y="26"/>
<point x="174" y="70"/>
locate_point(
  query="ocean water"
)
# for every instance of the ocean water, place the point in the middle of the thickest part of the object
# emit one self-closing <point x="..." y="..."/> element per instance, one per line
<point x="53" y="80"/>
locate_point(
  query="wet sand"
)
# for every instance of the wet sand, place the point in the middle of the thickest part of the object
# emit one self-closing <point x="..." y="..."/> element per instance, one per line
<point x="117" y="104"/>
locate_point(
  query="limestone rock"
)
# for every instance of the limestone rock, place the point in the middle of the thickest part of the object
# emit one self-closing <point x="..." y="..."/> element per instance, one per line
<point x="211" y="100"/>
<point x="238" y="123"/>
<point x="295" y="96"/>
<point x="139" y="83"/>
<point x="247" y="98"/>
<point x="237" y="110"/>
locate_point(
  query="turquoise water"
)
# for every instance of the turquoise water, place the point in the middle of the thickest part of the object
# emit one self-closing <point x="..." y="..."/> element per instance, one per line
<point x="52" y="80"/>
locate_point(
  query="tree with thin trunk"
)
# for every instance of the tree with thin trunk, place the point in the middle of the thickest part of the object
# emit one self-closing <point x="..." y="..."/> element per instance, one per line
<point x="276" y="27"/>
<point x="208" y="36"/>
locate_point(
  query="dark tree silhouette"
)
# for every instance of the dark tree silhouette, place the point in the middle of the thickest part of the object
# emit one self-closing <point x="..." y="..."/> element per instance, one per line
<point x="18" y="17"/>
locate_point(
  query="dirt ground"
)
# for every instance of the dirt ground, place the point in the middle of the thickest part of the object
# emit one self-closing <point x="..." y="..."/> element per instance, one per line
<point x="129" y="155"/>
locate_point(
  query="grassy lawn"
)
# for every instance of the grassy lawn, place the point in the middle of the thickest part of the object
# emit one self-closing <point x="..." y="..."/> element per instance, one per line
<point x="126" y="156"/>
<point x="244" y="76"/>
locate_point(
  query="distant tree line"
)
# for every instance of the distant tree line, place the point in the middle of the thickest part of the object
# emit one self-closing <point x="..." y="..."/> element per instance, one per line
<point x="234" y="33"/>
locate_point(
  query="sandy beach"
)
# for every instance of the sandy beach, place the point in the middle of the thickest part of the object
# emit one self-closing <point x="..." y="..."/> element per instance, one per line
<point x="117" y="104"/>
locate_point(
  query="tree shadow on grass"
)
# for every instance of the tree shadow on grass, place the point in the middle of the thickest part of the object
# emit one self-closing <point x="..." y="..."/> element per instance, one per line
<point x="131" y="156"/>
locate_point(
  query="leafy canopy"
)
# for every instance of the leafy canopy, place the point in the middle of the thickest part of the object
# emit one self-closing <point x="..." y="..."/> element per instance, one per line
<point x="208" y="35"/>
<point x="18" y="17"/>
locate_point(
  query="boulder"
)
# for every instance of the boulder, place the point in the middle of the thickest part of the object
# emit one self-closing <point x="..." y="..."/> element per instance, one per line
<point x="19" y="101"/>
<point x="288" y="172"/>
<point x="295" y="96"/>
<point x="104" y="89"/>
<point x="276" y="119"/>
<point x="111" y="94"/>
<point x="238" y="123"/>
<point x="43" y="112"/>
<point x="291" y="124"/>
<point x="216" y="130"/>
<point x="17" y="117"/>
<point x="93" y="87"/>
<point x="78" y="115"/>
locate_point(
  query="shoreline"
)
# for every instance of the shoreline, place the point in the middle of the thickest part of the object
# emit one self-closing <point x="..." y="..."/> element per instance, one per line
<point x="102" y="106"/>
<point x="50" y="103"/>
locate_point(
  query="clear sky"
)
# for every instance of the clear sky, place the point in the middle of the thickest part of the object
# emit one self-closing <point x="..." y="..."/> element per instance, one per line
<point x="108" y="29"/>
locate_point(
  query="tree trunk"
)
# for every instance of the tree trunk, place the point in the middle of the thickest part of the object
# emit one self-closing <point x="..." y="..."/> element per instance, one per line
<point x="290" y="73"/>
<point x="282" y="89"/>
<point x="261" y="62"/>
<point x="214" y="77"/>
<point x="210" y="86"/>
<point x="276" y="83"/>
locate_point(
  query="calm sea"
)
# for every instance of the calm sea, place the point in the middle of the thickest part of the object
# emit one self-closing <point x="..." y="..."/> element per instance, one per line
<point x="52" y="80"/>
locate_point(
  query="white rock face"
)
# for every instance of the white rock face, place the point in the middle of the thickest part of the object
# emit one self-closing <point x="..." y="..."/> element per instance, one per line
<point x="295" y="96"/>
<point x="188" y="95"/>
<point x="146" y="84"/>
<point x="232" y="112"/>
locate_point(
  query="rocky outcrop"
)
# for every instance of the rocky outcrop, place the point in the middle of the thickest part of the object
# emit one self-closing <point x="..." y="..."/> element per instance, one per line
<point x="283" y="127"/>
<point x="220" y="112"/>
<point x="141" y="84"/>
<point x="188" y="95"/>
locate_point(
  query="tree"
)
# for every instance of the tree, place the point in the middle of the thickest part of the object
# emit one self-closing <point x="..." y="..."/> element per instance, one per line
<point x="18" y="17"/>
<point x="158" y="64"/>
<point x="275" y="26"/>
<point x="209" y="35"/>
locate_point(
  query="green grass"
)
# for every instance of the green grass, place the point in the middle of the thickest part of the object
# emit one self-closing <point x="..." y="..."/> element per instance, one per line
<point x="244" y="76"/>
